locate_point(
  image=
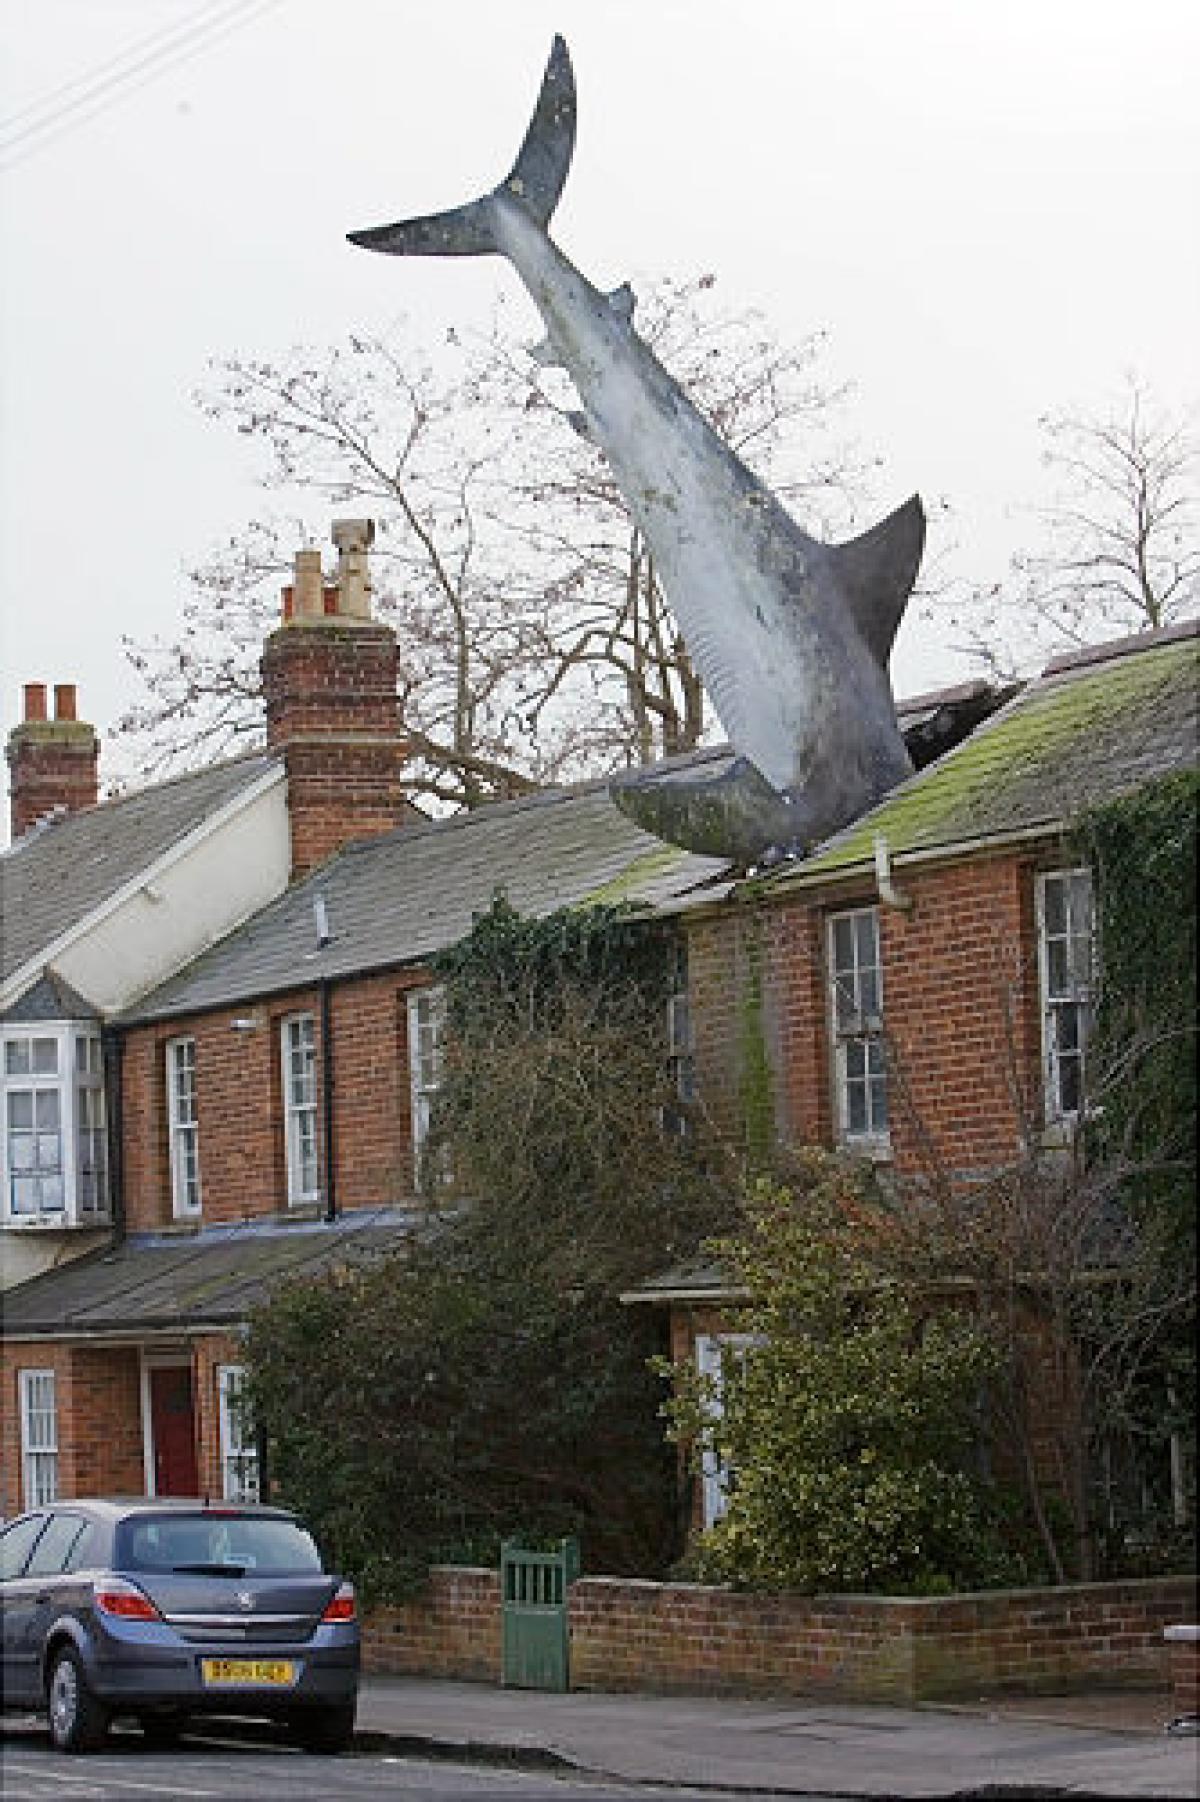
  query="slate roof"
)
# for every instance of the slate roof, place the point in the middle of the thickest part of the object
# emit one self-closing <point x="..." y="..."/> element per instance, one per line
<point x="398" y="899"/>
<point x="60" y="872"/>
<point x="1092" y="727"/>
<point x="154" y="1282"/>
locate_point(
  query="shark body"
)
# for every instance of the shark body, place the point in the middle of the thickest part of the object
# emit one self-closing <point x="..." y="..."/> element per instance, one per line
<point x="791" y="636"/>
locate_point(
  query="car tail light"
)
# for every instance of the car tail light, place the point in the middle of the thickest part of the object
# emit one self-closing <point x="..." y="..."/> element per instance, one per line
<point x="125" y="1601"/>
<point x="341" y="1606"/>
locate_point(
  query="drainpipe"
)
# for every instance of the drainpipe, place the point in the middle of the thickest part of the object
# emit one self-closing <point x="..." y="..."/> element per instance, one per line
<point x="110" y="1055"/>
<point x="888" y="893"/>
<point x="327" y="1098"/>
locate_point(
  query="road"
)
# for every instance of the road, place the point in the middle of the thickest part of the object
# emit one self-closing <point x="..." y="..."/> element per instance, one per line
<point x="224" y="1771"/>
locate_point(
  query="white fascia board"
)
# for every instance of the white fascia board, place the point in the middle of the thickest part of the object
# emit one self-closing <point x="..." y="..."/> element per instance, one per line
<point x="950" y="852"/>
<point x="28" y="974"/>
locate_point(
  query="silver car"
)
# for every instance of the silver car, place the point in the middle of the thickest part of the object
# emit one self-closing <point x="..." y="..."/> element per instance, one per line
<point x="166" y="1609"/>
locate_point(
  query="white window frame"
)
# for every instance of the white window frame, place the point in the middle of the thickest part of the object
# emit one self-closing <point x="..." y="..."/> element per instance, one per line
<point x="39" y="1437"/>
<point x="297" y="1039"/>
<point x="77" y="1173"/>
<point x="716" y="1476"/>
<point x="857" y="1034"/>
<point x="1075" y="994"/>
<point x="239" y="1443"/>
<point x="183" y="1130"/>
<point x="426" y="1035"/>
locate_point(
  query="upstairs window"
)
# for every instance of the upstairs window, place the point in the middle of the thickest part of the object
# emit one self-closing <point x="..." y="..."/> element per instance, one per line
<point x="239" y="1448"/>
<point x="426" y="1041"/>
<point x="54" y="1145"/>
<point x="300" y="1107"/>
<point x="1066" y="961"/>
<point x="856" y="1022"/>
<point x="183" y="1129"/>
<point x="681" y="1063"/>
<point x="39" y="1437"/>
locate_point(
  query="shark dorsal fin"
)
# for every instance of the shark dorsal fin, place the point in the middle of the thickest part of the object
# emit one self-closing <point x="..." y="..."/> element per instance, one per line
<point x="876" y="572"/>
<point x="622" y="300"/>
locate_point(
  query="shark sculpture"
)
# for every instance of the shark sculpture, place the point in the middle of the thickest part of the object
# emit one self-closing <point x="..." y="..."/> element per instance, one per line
<point x="791" y="636"/>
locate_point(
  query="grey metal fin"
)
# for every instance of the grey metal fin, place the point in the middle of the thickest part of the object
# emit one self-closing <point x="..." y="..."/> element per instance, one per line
<point x="535" y="181"/>
<point x="736" y="815"/>
<point x="623" y="300"/>
<point x="876" y="572"/>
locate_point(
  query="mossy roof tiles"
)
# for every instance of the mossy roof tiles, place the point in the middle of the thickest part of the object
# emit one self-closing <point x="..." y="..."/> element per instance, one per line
<point x="1083" y="733"/>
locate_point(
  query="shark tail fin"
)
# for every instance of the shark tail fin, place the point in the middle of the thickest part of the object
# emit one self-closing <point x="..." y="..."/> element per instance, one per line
<point x="876" y="573"/>
<point x="535" y="182"/>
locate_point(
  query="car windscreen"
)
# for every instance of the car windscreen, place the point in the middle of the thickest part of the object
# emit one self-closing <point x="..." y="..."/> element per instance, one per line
<point x="215" y="1544"/>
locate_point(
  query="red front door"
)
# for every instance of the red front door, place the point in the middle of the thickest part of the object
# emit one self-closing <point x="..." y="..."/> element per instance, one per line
<point x="173" y="1431"/>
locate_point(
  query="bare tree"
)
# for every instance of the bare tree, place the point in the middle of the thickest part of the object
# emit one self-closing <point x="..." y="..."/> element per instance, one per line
<point x="1120" y="543"/>
<point x="536" y="643"/>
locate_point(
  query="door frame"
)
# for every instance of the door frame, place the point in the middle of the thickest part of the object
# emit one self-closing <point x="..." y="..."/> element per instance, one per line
<point x="159" y="1360"/>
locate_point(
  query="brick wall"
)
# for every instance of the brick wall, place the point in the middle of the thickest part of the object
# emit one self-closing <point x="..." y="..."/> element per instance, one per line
<point x="629" y="1635"/>
<point x="98" y="1402"/>
<point x="453" y="1630"/>
<point x="240" y="1104"/>
<point x="960" y="1007"/>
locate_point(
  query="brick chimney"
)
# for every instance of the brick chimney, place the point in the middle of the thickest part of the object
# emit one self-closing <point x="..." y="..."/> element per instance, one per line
<point x="52" y="762"/>
<point x="329" y="678"/>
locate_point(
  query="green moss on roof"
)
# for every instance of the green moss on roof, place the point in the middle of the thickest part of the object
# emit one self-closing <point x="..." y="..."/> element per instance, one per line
<point x="1070" y="739"/>
<point x="642" y="873"/>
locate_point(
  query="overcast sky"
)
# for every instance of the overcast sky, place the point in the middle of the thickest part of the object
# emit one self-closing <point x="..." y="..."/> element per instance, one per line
<point x="991" y="207"/>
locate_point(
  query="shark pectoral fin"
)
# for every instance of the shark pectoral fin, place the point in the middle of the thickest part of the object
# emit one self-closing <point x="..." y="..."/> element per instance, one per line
<point x="623" y="300"/>
<point x="876" y="573"/>
<point x="737" y="815"/>
<point x="535" y="182"/>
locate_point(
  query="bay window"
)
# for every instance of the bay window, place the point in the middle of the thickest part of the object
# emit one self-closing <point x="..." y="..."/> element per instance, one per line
<point x="53" y="1146"/>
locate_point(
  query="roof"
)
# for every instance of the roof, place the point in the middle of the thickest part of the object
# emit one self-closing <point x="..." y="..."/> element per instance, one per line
<point x="64" y="869"/>
<point x="1092" y="727"/>
<point x="695" y="1281"/>
<point x="214" y="1278"/>
<point x="50" y="998"/>
<point x="402" y="898"/>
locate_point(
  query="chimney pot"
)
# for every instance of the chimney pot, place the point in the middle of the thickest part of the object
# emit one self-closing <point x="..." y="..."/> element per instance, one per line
<point x="35" y="701"/>
<point x="308" y="600"/>
<point x="64" y="700"/>
<point x="354" y="538"/>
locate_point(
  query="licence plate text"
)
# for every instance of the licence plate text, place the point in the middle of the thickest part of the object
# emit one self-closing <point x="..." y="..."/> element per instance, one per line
<point x="270" y="1671"/>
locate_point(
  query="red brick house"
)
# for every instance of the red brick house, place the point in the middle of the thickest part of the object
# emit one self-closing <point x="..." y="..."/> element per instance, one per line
<point x="261" y="1109"/>
<point x="267" y="1096"/>
<point x="951" y="923"/>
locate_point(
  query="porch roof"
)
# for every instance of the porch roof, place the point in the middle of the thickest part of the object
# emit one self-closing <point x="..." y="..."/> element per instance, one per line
<point x="152" y="1283"/>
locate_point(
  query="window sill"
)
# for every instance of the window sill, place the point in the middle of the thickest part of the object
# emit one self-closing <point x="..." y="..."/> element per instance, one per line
<point x="54" y="1223"/>
<point x="876" y="1151"/>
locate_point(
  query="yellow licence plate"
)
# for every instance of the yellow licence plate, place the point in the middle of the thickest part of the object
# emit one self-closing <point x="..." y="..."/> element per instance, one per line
<point x="248" y="1670"/>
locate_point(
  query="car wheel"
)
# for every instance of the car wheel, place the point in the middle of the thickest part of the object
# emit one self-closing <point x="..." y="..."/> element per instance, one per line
<point x="78" y="1722"/>
<point x="324" y="1729"/>
<point x="161" y="1731"/>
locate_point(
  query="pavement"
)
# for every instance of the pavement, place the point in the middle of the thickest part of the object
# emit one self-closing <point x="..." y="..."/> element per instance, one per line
<point x="1094" y="1744"/>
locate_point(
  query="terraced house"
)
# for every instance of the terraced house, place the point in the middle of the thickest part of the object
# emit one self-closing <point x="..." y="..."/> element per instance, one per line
<point x="222" y="1040"/>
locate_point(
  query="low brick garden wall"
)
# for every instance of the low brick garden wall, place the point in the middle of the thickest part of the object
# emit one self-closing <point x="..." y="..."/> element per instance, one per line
<point x="628" y="1635"/>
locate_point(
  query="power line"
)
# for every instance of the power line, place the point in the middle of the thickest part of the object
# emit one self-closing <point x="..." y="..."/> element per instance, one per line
<point x="119" y="76"/>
